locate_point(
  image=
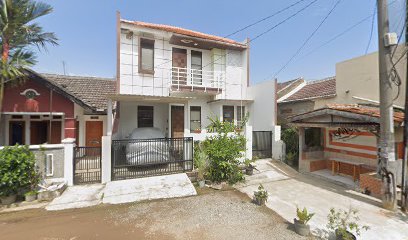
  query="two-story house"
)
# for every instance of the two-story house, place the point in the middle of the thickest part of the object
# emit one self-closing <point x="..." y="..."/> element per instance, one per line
<point x="171" y="81"/>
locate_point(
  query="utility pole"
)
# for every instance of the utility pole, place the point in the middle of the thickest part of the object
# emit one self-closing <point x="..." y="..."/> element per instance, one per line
<point x="404" y="184"/>
<point x="387" y="148"/>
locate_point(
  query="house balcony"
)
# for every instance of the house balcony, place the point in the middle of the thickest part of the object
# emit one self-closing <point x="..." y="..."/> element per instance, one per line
<point x="186" y="80"/>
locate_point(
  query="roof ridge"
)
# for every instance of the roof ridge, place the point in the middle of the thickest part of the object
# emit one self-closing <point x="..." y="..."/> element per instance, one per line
<point x="321" y="80"/>
<point x="78" y="76"/>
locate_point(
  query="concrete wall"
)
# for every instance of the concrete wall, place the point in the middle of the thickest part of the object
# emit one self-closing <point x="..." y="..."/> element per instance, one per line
<point x="263" y="109"/>
<point x="57" y="152"/>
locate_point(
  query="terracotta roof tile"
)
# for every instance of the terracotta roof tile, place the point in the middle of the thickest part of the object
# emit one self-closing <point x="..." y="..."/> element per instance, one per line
<point x="315" y="89"/>
<point x="364" y="110"/>
<point x="90" y="90"/>
<point x="184" y="31"/>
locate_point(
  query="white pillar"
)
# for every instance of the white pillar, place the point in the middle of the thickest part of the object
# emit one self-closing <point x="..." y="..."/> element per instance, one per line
<point x="106" y="159"/>
<point x="69" y="144"/>
<point x="110" y="118"/>
<point x="248" y="136"/>
<point x="303" y="164"/>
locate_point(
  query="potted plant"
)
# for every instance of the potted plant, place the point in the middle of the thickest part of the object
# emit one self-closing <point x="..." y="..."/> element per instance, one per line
<point x="249" y="167"/>
<point x="345" y="224"/>
<point x="303" y="217"/>
<point x="30" y="196"/>
<point x="261" y="196"/>
<point x="198" y="130"/>
<point x="17" y="168"/>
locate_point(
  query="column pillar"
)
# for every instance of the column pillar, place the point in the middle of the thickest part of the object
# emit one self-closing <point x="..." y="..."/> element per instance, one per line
<point x="110" y="118"/>
<point x="106" y="159"/>
<point x="69" y="144"/>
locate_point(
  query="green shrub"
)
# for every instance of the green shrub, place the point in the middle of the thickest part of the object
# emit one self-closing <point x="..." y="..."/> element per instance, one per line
<point x="224" y="150"/>
<point x="345" y="221"/>
<point x="17" y="170"/>
<point x="261" y="194"/>
<point x="303" y="216"/>
<point x="200" y="161"/>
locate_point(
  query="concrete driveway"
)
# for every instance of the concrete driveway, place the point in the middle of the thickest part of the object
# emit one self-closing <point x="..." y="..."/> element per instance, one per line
<point x="288" y="189"/>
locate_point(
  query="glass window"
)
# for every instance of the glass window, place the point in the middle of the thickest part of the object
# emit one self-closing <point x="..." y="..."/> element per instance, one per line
<point x="228" y="113"/>
<point x="146" y="56"/>
<point x="195" y="118"/>
<point x="240" y="115"/>
<point x="144" y="116"/>
<point x="196" y="66"/>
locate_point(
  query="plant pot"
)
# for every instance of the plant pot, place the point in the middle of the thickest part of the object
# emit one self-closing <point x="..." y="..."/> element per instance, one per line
<point x="301" y="229"/>
<point x="260" y="202"/>
<point x="197" y="131"/>
<point x="7" y="200"/>
<point x="249" y="171"/>
<point x="350" y="236"/>
<point x="31" y="197"/>
<point x="201" y="183"/>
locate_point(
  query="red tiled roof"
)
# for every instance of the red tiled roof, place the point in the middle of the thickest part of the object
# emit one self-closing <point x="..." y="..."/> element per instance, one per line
<point x="184" y="31"/>
<point x="316" y="89"/>
<point x="364" y="110"/>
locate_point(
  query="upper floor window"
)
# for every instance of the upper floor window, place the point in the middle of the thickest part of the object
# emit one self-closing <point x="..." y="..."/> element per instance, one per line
<point x="144" y="116"/>
<point x="228" y="113"/>
<point x="196" y="66"/>
<point x="146" y="56"/>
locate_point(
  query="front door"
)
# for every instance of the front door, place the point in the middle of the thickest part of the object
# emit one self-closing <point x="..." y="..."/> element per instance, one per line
<point x="179" y="63"/>
<point x="177" y="121"/>
<point x="16" y="133"/>
<point x="94" y="132"/>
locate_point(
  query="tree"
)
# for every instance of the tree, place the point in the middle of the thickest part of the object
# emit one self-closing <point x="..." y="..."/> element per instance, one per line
<point x="17" y="37"/>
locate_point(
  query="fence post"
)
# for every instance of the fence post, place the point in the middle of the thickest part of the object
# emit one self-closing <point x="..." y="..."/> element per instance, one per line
<point x="248" y="136"/>
<point x="69" y="144"/>
<point x="106" y="159"/>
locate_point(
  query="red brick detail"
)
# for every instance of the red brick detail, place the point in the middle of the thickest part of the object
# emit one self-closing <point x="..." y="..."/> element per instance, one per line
<point x="372" y="183"/>
<point x="352" y="153"/>
<point x="318" y="165"/>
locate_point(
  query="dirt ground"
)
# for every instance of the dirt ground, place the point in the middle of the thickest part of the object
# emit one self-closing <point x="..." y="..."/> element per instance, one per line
<point x="210" y="215"/>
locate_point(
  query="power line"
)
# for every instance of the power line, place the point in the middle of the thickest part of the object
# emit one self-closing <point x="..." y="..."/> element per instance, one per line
<point x="265" y="18"/>
<point x="270" y="29"/>
<point x="372" y="28"/>
<point x="308" y="39"/>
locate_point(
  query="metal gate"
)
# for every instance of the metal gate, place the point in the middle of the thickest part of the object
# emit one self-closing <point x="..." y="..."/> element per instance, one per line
<point x="87" y="165"/>
<point x="262" y="144"/>
<point x="134" y="158"/>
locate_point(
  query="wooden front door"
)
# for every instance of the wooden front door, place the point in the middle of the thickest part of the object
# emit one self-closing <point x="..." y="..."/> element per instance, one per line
<point x="177" y="121"/>
<point x="38" y="132"/>
<point x="93" y="133"/>
<point x="179" y="63"/>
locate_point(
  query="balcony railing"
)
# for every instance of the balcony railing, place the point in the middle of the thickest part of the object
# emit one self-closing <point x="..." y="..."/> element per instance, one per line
<point x="197" y="79"/>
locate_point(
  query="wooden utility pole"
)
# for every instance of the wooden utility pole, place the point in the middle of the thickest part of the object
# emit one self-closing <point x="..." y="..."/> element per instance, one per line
<point x="404" y="184"/>
<point x="387" y="147"/>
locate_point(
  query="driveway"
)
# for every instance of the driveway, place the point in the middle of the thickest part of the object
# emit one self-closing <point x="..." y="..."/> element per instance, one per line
<point x="289" y="189"/>
<point x="210" y="215"/>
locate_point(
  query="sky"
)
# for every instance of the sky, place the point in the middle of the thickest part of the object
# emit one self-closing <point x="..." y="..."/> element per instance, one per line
<point x="87" y="40"/>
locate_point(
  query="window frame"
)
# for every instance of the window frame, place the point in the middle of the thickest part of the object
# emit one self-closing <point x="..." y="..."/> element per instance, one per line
<point x="147" y="108"/>
<point x="140" y="57"/>
<point x="233" y="112"/>
<point x="199" y="121"/>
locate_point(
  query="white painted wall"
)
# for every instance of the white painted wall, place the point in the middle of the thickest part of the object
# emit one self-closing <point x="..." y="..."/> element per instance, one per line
<point x="234" y="64"/>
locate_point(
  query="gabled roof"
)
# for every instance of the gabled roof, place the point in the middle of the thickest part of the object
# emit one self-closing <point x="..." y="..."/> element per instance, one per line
<point x="315" y="89"/>
<point x="88" y="92"/>
<point x="283" y="85"/>
<point x="186" y="32"/>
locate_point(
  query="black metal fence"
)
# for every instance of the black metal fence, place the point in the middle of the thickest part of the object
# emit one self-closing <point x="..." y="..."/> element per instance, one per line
<point x="133" y="158"/>
<point x="87" y="165"/>
<point x="262" y="144"/>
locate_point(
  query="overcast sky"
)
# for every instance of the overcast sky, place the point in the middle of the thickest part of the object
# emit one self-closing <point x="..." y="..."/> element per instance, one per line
<point x="86" y="30"/>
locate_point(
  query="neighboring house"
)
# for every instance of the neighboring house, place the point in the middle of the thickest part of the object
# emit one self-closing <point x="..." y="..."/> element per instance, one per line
<point x="175" y="80"/>
<point x="47" y="108"/>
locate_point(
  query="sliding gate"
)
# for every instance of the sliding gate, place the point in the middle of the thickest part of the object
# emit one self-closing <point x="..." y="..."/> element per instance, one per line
<point x="135" y="158"/>
<point x="262" y="144"/>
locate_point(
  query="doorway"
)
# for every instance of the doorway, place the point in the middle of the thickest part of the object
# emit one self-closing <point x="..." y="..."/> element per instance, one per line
<point x="177" y="121"/>
<point x="93" y="133"/>
<point x="16" y="133"/>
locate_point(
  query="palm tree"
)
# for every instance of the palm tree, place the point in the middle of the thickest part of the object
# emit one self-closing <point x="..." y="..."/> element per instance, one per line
<point x="17" y="37"/>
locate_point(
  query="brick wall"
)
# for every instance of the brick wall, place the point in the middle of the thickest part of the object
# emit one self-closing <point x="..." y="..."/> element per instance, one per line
<point x="318" y="165"/>
<point x="371" y="182"/>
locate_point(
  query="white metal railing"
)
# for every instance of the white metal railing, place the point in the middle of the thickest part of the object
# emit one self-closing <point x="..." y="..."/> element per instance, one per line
<point x="195" y="78"/>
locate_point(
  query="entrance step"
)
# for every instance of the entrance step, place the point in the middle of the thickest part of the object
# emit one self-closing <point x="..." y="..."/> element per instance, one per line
<point x="140" y="189"/>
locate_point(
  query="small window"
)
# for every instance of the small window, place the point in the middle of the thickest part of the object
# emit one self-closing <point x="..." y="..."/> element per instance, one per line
<point x="49" y="165"/>
<point x="313" y="139"/>
<point x="144" y="116"/>
<point x="240" y="115"/>
<point x="195" y="119"/>
<point x="228" y="114"/>
<point x="196" y="67"/>
<point x="146" y="56"/>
